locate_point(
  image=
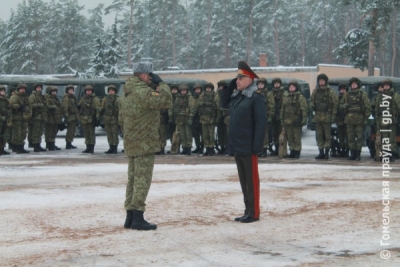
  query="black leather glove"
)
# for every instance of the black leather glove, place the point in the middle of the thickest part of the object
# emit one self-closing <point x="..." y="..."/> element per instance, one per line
<point x="155" y="78"/>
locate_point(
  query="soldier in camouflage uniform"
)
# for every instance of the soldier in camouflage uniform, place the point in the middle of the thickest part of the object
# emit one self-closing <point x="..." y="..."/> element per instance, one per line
<point x="39" y="118"/>
<point x="9" y="129"/>
<point x="89" y="111"/>
<point x="5" y="119"/>
<point x="294" y="112"/>
<point x="22" y="113"/>
<point x="181" y="114"/>
<point x="371" y="143"/>
<point x="71" y="115"/>
<point x="357" y="108"/>
<point x="54" y="117"/>
<point x="196" y="125"/>
<point x="163" y="130"/>
<point x="262" y="86"/>
<point x="387" y="114"/>
<point x="222" y="129"/>
<point x="341" y="126"/>
<point x="208" y="111"/>
<point x="110" y="113"/>
<point x="171" y="121"/>
<point x="278" y="92"/>
<point x="324" y="103"/>
<point x="139" y="116"/>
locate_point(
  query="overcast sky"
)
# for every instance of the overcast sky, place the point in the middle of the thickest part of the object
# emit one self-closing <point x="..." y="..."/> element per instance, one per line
<point x="7" y="5"/>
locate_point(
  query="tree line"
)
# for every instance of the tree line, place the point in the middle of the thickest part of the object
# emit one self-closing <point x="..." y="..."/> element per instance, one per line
<point x="56" y="37"/>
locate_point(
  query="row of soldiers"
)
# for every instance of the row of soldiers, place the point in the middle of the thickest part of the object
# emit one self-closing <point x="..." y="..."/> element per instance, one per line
<point x="196" y="116"/>
<point x="22" y="115"/>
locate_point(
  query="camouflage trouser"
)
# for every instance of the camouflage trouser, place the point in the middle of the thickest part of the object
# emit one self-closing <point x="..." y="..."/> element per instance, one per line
<point x="208" y="134"/>
<point x="30" y="132"/>
<point x="185" y="135"/>
<point x="294" y="137"/>
<point x="51" y="132"/>
<point x="8" y="134"/>
<point x="70" y="135"/>
<point x="266" y="138"/>
<point x="19" y="132"/>
<point x="276" y="128"/>
<point x="222" y="133"/>
<point x="342" y="136"/>
<point x="389" y="132"/>
<point x="323" y="135"/>
<point x="355" y="136"/>
<point x="140" y="173"/>
<point x="112" y="134"/>
<point x="163" y="134"/>
<point x="88" y="132"/>
<point x="196" y="132"/>
<point x="37" y="131"/>
<point x="3" y="133"/>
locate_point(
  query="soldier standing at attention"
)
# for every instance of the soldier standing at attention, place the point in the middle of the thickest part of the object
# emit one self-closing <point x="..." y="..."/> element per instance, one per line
<point x="22" y="113"/>
<point x="324" y="103"/>
<point x="341" y="126"/>
<point x="371" y="145"/>
<point x="357" y="109"/>
<point x="223" y="120"/>
<point x="389" y="100"/>
<point x="5" y="119"/>
<point x="9" y="129"/>
<point x="262" y="86"/>
<point x="54" y="117"/>
<point x="39" y="118"/>
<point x="196" y="125"/>
<point x="139" y="116"/>
<point x="171" y="120"/>
<point x="294" y="113"/>
<point x="110" y="113"/>
<point x="278" y="93"/>
<point x="208" y="111"/>
<point x="71" y="115"/>
<point x="89" y="111"/>
<point x="163" y="128"/>
<point x="182" y="106"/>
<point x="246" y="133"/>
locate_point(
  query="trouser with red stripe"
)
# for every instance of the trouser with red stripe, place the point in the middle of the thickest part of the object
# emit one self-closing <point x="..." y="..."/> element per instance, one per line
<point x="247" y="166"/>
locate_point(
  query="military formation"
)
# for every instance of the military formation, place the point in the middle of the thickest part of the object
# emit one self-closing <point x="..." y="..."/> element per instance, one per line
<point x="28" y="118"/>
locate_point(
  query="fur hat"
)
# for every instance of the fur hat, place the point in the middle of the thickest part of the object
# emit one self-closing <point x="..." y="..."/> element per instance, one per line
<point x="143" y="68"/>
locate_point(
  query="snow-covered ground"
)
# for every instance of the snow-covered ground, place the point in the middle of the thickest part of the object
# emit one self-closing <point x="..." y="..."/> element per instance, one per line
<point x="65" y="208"/>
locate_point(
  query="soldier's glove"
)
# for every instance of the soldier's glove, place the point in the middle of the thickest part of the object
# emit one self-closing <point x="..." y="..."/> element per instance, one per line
<point x="155" y="78"/>
<point x="22" y="107"/>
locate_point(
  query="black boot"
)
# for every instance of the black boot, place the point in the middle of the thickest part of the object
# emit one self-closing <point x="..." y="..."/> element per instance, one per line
<point x="55" y="147"/>
<point x="10" y="147"/>
<point x="296" y="154"/>
<point x="129" y="219"/>
<point x="3" y="152"/>
<point x="69" y="146"/>
<point x="358" y="155"/>
<point x="275" y="152"/>
<point x="352" y="155"/>
<point x="326" y="156"/>
<point x="50" y="146"/>
<point x="86" y="150"/>
<point x="263" y="154"/>
<point x="91" y="147"/>
<point x="31" y="145"/>
<point x="291" y="154"/>
<point x="197" y="150"/>
<point x="110" y="150"/>
<point x="183" y="151"/>
<point x="115" y="150"/>
<point x="334" y="154"/>
<point x="139" y="223"/>
<point x="189" y="151"/>
<point x="211" y="151"/>
<point x="206" y="152"/>
<point x="36" y="148"/>
<point x="41" y="148"/>
<point x="320" y="155"/>
<point x="22" y="150"/>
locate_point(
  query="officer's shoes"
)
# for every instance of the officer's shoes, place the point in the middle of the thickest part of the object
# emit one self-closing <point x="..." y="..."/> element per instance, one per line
<point x="139" y="223"/>
<point x="248" y="219"/>
<point x="239" y="218"/>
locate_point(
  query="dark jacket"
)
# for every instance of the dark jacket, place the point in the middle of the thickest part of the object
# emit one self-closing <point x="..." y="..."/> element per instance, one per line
<point x="248" y="120"/>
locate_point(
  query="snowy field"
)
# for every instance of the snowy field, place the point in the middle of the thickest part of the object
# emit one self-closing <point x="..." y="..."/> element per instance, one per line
<point x="65" y="208"/>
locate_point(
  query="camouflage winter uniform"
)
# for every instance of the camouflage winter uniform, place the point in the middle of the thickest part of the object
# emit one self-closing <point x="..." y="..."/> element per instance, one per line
<point x="341" y="127"/>
<point x="39" y="117"/>
<point x="110" y="114"/>
<point x="357" y="109"/>
<point x="270" y="112"/>
<point x="196" y="125"/>
<point x="22" y="113"/>
<point x="5" y="120"/>
<point x="208" y="111"/>
<point x="276" y="126"/>
<point x="71" y="115"/>
<point x="139" y="116"/>
<point x="54" y="117"/>
<point x="388" y="103"/>
<point x="89" y="111"/>
<point x="294" y="112"/>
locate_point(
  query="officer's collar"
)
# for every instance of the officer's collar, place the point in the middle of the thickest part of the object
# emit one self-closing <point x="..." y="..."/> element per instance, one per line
<point x="248" y="91"/>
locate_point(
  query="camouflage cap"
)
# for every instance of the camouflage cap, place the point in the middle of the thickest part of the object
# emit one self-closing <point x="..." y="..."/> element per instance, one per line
<point x="276" y="80"/>
<point x="222" y="83"/>
<point x="174" y="86"/>
<point x="48" y="89"/>
<point x="344" y="86"/>
<point x="53" y="88"/>
<point x="112" y="87"/>
<point x="355" y="80"/>
<point x="295" y="83"/>
<point x="322" y="76"/>
<point x="143" y="68"/>
<point x="183" y="86"/>
<point x="197" y="85"/>
<point x="21" y="85"/>
<point x="262" y="80"/>
<point x="37" y="84"/>
<point x="209" y="85"/>
<point x="387" y="81"/>
<point x="88" y="87"/>
<point x="2" y="88"/>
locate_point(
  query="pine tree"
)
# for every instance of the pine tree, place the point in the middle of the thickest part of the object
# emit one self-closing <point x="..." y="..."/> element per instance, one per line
<point x="112" y="54"/>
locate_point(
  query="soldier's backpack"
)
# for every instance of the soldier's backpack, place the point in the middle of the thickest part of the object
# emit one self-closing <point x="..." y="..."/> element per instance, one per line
<point x="175" y="142"/>
<point x="282" y="153"/>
